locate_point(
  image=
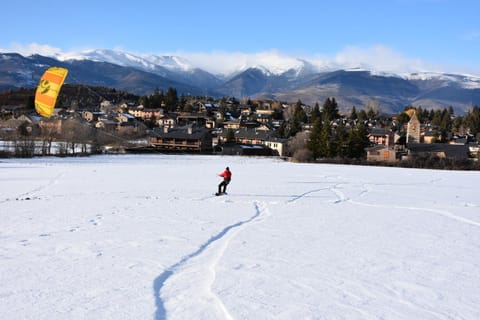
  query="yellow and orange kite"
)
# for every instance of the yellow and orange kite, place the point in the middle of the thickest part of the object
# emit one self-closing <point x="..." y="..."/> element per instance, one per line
<point x="48" y="90"/>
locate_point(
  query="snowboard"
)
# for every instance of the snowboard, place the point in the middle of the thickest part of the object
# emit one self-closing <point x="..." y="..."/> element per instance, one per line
<point x="220" y="194"/>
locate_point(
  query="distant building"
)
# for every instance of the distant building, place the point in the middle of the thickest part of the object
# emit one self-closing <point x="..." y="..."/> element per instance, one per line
<point x="182" y="139"/>
<point x="381" y="153"/>
<point x="413" y="129"/>
<point x="441" y="150"/>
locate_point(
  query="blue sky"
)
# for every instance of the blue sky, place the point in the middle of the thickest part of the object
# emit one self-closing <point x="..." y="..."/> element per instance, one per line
<point x="442" y="34"/>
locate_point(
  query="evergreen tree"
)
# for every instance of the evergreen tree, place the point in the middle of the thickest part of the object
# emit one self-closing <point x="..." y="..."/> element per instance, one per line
<point x="277" y="114"/>
<point x="330" y="110"/>
<point x="371" y="114"/>
<point x="171" y="99"/>
<point x="472" y="120"/>
<point x="299" y="117"/>
<point x="353" y="114"/>
<point x="145" y="102"/>
<point x="316" y="114"/>
<point x="324" y="148"/>
<point x="282" y="130"/>
<point x="403" y="118"/>
<point x="358" y="141"/>
<point x="362" y="116"/>
<point x="341" y="141"/>
<point x="156" y="99"/>
<point x="446" y="122"/>
<point x="315" y="138"/>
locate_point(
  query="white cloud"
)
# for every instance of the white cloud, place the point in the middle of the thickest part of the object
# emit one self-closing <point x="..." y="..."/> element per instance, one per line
<point x="377" y="58"/>
<point x="220" y="62"/>
<point x="32" y="48"/>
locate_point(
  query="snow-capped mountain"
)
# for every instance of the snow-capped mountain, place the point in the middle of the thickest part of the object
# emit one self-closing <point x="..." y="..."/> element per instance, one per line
<point x="121" y="58"/>
<point x="271" y="65"/>
<point x="268" y="75"/>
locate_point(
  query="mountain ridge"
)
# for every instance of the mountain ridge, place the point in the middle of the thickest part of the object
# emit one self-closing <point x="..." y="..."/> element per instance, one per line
<point x="285" y="80"/>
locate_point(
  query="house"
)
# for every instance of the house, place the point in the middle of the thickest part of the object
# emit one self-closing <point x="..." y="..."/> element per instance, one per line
<point x="92" y="116"/>
<point x="207" y="107"/>
<point x="199" y="120"/>
<point x="106" y="124"/>
<point x="278" y="145"/>
<point x="50" y="126"/>
<point x="124" y="117"/>
<point x="441" y="150"/>
<point x="166" y="121"/>
<point x="243" y="150"/>
<point x="255" y="137"/>
<point x="474" y="149"/>
<point x="232" y="124"/>
<point x="246" y="136"/>
<point x="381" y="136"/>
<point x="381" y="153"/>
<point x="431" y="134"/>
<point x="182" y="139"/>
<point x="146" y="114"/>
<point x="10" y="112"/>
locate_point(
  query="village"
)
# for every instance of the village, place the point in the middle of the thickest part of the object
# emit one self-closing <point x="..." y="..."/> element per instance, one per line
<point x="227" y="126"/>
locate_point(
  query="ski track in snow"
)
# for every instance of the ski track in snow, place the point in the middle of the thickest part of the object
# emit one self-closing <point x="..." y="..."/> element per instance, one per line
<point x="443" y="213"/>
<point x="341" y="197"/>
<point x="30" y="195"/>
<point x="187" y="284"/>
<point x="436" y="211"/>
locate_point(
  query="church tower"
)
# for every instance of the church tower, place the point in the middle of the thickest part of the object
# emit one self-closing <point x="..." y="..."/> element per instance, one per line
<point x="413" y="129"/>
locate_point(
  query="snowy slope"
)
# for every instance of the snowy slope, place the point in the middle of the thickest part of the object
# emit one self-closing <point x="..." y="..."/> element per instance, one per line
<point x="144" y="62"/>
<point x="143" y="237"/>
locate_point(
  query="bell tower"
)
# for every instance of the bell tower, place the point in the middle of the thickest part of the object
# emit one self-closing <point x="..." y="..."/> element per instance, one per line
<point x="413" y="129"/>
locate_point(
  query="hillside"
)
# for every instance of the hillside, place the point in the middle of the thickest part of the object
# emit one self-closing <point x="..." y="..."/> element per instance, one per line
<point x="71" y="95"/>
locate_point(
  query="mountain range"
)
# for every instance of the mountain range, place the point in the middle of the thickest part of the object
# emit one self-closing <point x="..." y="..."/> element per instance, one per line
<point x="292" y="81"/>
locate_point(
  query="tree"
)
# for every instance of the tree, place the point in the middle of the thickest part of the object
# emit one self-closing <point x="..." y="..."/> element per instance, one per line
<point x="298" y="143"/>
<point x="353" y="114"/>
<point x="315" y="138"/>
<point x="145" y="102"/>
<point x="299" y="117"/>
<point x="403" y="118"/>
<point x="362" y="116"/>
<point x="358" y="141"/>
<point x="372" y="114"/>
<point x="171" y="99"/>
<point x="330" y="110"/>
<point x="472" y="120"/>
<point x="341" y="141"/>
<point x="156" y="99"/>
<point x="324" y="148"/>
<point x="316" y="114"/>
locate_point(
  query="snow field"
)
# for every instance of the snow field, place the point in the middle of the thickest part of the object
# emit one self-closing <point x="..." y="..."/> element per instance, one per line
<point x="143" y="237"/>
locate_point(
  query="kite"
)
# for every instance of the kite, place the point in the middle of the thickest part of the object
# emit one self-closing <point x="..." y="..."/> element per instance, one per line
<point x="48" y="90"/>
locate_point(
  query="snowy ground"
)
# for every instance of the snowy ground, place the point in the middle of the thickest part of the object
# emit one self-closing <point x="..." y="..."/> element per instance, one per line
<point x="143" y="237"/>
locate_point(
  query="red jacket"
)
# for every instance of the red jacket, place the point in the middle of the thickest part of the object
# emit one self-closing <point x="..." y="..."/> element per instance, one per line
<point x="227" y="174"/>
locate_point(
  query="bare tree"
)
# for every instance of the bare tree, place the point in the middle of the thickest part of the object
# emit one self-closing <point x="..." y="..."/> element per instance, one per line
<point x="298" y="142"/>
<point x="77" y="135"/>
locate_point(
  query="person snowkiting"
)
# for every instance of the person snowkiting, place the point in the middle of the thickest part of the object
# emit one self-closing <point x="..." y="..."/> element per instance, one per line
<point x="227" y="177"/>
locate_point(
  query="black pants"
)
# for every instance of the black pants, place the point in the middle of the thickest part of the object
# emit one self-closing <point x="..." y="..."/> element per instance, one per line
<point x="223" y="184"/>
